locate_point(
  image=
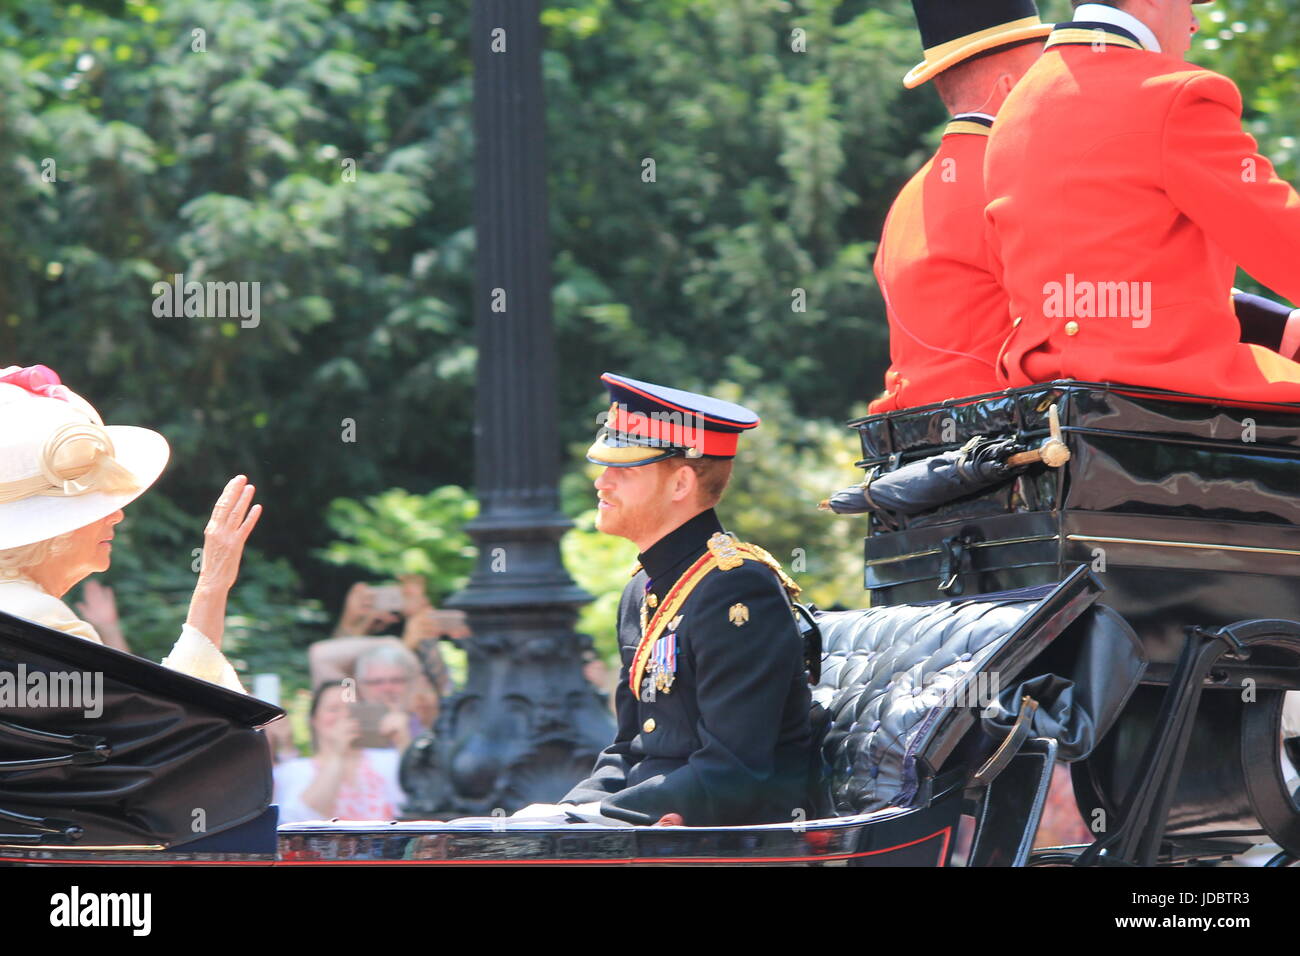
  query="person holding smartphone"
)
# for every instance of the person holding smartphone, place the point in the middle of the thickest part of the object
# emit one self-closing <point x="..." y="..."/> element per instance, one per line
<point x="343" y="779"/>
<point x="423" y="679"/>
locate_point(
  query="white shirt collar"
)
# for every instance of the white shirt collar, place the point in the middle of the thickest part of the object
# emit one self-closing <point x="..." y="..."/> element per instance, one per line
<point x="1100" y="13"/>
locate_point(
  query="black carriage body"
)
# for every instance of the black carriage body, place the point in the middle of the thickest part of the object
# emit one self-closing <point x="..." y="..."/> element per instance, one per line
<point x="901" y="692"/>
<point x="1188" y="511"/>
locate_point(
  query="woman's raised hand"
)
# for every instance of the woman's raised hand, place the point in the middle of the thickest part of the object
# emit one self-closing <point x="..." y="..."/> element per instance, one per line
<point x="223" y="545"/>
<point x="228" y="529"/>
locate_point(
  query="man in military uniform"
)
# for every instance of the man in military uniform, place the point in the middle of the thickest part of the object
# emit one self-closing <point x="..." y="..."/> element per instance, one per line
<point x="712" y="700"/>
<point x="1119" y="250"/>
<point x="948" y="314"/>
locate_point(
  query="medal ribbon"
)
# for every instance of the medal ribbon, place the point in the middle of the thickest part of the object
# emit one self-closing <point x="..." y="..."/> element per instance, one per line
<point x="666" y="611"/>
<point x="687" y="583"/>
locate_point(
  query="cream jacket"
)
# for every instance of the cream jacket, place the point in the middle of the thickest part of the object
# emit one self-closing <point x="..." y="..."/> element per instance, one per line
<point x="193" y="653"/>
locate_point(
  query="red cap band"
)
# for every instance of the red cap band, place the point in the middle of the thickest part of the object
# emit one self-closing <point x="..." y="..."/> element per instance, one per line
<point x="674" y="429"/>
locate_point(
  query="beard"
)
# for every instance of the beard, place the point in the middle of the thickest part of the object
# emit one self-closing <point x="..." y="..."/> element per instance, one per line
<point x="634" y="520"/>
<point x="623" y="520"/>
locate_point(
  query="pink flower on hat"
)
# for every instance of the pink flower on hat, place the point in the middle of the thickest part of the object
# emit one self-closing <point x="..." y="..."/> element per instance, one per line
<point x="41" y="380"/>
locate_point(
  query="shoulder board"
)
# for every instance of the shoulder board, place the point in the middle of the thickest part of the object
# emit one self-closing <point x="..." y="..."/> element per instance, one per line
<point x="730" y="553"/>
<point x="725" y="551"/>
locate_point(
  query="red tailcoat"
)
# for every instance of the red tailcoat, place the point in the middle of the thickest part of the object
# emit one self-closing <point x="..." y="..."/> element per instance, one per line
<point x="947" y="313"/>
<point x="1121" y="173"/>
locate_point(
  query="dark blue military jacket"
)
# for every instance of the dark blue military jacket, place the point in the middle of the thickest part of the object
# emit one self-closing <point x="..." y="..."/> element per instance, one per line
<point x="728" y="743"/>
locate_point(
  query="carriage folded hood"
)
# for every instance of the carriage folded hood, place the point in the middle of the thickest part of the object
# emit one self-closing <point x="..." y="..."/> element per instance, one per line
<point x="102" y="748"/>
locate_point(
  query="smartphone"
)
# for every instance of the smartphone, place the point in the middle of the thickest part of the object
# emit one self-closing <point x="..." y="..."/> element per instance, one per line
<point x="369" y="716"/>
<point x="387" y="598"/>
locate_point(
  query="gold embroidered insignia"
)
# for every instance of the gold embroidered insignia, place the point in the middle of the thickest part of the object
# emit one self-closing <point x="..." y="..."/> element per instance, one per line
<point x="723" y="548"/>
<point x="739" y="614"/>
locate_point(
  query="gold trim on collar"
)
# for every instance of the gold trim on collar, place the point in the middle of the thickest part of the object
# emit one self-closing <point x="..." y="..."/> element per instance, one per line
<point x="1093" y="36"/>
<point x="967" y="126"/>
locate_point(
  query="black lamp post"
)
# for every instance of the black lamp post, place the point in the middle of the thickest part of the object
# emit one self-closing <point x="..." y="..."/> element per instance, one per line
<point x="528" y="725"/>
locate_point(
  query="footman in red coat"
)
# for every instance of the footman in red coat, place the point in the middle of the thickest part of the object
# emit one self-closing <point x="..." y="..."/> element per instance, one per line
<point x="1123" y="194"/>
<point x="948" y="314"/>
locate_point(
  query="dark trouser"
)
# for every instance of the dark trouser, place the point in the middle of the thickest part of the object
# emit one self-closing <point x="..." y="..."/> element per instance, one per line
<point x="1263" y="321"/>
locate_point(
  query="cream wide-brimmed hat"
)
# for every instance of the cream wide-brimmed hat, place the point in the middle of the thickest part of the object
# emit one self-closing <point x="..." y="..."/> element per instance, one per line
<point x="61" y="468"/>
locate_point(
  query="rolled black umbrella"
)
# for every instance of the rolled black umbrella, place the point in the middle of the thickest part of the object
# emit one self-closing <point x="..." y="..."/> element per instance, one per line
<point x="933" y="481"/>
<point x="981" y="463"/>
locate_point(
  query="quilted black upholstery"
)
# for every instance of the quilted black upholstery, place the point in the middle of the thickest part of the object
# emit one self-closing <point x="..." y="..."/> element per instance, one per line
<point x="889" y="676"/>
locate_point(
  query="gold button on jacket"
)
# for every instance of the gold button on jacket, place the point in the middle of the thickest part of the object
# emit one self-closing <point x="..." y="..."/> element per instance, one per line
<point x="1071" y="328"/>
<point x="649" y="726"/>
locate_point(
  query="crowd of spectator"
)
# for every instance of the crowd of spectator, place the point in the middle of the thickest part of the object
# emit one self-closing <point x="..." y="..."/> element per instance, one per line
<point x="372" y="694"/>
<point x="376" y="684"/>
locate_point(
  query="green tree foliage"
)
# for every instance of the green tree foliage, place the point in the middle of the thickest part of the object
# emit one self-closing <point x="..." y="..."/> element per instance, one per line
<point x="219" y="139"/>
<point x="396" y="533"/>
<point x="773" y="169"/>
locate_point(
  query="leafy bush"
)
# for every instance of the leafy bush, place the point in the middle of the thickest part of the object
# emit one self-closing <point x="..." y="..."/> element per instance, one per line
<point x="397" y="532"/>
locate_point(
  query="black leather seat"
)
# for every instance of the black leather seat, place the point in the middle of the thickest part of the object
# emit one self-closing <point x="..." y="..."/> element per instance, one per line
<point x="917" y="697"/>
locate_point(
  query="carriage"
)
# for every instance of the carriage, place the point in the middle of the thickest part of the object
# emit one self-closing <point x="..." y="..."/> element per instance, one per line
<point x="1133" y="611"/>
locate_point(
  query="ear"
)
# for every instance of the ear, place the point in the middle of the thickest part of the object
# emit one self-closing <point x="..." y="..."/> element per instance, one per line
<point x="1005" y="84"/>
<point x="684" y="483"/>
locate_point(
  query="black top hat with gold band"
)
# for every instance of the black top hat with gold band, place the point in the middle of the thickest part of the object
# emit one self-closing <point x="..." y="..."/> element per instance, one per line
<point x="648" y="423"/>
<point x="956" y="30"/>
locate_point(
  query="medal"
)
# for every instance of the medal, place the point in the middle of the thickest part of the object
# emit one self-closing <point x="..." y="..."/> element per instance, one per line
<point x="663" y="662"/>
